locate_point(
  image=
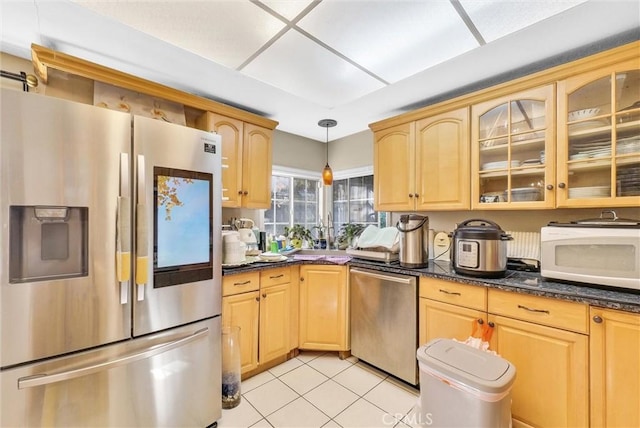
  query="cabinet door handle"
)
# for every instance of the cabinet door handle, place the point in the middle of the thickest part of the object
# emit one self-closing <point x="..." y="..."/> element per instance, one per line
<point x="416" y="195"/>
<point x="245" y="193"/>
<point x="544" y="311"/>
<point x="257" y="299"/>
<point x="277" y="276"/>
<point x="301" y="279"/>
<point x="264" y="295"/>
<point x="597" y="319"/>
<point x="549" y="186"/>
<point x="411" y="195"/>
<point x="562" y="185"/>
<point x="453" y="293"/>
<point x="239" y="192"/>
<point x="238" y="284"/>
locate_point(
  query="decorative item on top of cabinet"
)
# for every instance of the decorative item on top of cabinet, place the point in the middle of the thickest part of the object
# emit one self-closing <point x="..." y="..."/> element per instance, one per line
<point x="247" y="153"/>
<point x="513" y="151"/>
<point x="614" y="350"/>
<point x="599" y="138"/>
<point x="423" y="165"/>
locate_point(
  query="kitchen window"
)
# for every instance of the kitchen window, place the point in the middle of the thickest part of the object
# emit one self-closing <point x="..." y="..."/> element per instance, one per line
<point x="295" y="199"/>
<point x="353" y="202"/>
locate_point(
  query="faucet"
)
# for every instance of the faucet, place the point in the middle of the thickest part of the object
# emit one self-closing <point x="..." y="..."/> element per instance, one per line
<point x="330" y="231"/>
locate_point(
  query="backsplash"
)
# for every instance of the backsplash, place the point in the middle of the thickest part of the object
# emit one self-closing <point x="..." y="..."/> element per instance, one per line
<point x="523" y="221"/>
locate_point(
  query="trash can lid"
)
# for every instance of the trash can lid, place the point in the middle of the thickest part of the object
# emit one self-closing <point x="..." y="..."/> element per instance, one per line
<point x="467" y="365"/>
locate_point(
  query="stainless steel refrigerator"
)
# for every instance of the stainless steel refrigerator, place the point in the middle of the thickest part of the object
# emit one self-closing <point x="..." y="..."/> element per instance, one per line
<point x="110" y="279"/>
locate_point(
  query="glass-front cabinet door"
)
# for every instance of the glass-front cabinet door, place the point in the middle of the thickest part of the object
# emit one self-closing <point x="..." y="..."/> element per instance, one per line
<point x="513" y="151"/>
<point x="599" y="138"/>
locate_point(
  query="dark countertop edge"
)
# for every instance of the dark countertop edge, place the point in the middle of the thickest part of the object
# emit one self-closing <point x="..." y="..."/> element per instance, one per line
<point x="520" y="282"/>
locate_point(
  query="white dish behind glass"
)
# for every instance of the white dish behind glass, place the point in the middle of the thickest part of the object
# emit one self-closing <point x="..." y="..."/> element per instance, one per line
<point x="583" y="114"/>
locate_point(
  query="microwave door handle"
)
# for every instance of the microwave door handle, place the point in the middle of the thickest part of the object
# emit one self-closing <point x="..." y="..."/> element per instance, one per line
<point x="142" y="248"/>
<point x="123" y="231"/>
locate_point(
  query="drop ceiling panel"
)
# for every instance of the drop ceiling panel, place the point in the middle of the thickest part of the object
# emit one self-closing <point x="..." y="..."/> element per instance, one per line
<point x="287" y="8"/>
<point x="392" y="40"/>
<point x="299" y="66"/>
<point x="495" y="19"/>
<point x="227" y="32"/>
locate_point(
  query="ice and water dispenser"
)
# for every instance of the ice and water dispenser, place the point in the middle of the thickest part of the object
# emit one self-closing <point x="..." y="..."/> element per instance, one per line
<point x="47" y="243"/>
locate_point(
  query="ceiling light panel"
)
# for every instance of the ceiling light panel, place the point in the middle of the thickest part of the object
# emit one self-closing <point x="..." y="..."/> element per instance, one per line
<point x="495" y="19"/>
<point x="394" y="40"/>
<point x="287" y="8"/>
<point x="302" y="67"/>
<point x="226" y="32"/>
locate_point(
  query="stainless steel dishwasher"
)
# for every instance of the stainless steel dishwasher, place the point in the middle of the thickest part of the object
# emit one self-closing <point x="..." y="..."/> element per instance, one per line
<point x="384" y="327"/>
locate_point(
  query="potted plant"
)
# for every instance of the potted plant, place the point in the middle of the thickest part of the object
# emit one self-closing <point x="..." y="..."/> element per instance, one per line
<point x="297" y="234"/>
<point x="347" y="233"/>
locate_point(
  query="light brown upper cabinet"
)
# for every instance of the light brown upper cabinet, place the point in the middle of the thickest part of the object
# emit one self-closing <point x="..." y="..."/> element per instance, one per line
<point x="423" y="165"/>
<point x="513" y="151"/>
<point x="599" y="138"/>
<point x="394" y="168"/>
<point x="246" y="156"/>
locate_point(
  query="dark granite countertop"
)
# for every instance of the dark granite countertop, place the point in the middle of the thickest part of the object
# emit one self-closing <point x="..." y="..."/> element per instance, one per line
<point x="516" y="281"/>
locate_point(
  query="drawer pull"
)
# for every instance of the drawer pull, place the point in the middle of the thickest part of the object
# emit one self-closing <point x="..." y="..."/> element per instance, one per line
<point x="453" y="293"/>
<point x="544" y="311"/>
<point x="238" y="284"/>
<point x="277" y="276"/>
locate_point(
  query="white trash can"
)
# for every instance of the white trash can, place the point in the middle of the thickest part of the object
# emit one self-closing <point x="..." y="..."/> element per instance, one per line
<point x="461" y="386"/>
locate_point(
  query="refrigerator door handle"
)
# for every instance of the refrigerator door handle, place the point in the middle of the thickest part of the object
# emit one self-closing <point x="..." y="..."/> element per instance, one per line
<point x="142" y="249"/>
<point x="45" y="379"/>
<point x="123" y="247"/>
<point x="123" y="231"/>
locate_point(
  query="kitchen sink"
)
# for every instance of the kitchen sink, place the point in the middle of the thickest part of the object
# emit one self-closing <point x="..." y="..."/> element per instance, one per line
<point x="307" y="252"/>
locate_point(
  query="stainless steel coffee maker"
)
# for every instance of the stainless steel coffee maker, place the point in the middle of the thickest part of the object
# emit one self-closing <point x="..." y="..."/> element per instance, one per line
<point x="414" y="240"/>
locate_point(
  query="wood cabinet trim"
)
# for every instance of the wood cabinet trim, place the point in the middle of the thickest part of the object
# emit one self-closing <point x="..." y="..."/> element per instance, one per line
<point x="545" y="311"/>
<point x="44" y="58"/>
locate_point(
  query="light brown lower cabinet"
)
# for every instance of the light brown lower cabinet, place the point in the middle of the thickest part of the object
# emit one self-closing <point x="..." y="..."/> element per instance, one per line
<point x="449" y="309"/>
<point x="614" y="368"/>
<point x="324" y="308"/>
<point x="551" y="386"/>
<point x="260" y="303"/>
<point x="576" y="366"/>
<point x="241" y="307"/>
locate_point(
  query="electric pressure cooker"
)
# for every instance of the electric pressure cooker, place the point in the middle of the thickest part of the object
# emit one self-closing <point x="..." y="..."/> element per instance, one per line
<point x="480" y="249"/>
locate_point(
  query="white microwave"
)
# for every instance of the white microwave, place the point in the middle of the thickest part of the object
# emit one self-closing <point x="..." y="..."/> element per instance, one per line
<point x="597" y="255"/>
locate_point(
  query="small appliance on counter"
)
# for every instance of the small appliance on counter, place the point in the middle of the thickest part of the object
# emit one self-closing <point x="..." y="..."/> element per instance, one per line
<point x="602" y="251"/>
<point x="480" y="249"/>
<point x="414" y="240"/>
<point x="247" y="234"/>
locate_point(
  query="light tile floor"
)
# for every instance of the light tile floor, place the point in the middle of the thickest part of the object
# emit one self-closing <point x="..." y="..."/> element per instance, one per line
<point x="317" y="389"/>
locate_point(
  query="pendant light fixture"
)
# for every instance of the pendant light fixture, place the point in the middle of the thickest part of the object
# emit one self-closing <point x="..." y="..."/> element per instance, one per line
<point x="327" y="174"/>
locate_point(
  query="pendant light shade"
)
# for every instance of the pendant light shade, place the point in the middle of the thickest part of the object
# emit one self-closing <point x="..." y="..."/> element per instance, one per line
<point x="327" y="174"/>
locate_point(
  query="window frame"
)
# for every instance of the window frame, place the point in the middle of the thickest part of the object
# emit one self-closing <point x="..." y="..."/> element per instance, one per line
<point x="291" y="174"/>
